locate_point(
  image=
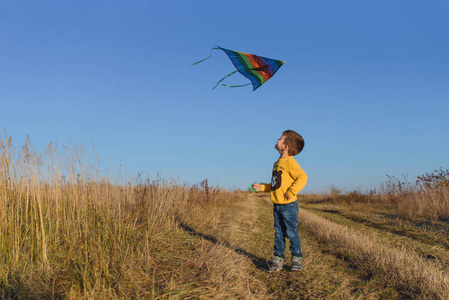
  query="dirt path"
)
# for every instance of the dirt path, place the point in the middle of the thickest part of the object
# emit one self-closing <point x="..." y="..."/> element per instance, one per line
<point x="247" y="228"/>
<point x="399" y="233"/>
<point x="325" y="275"/>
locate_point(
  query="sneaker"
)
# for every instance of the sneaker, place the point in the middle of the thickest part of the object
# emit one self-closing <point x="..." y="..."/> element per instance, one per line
<point x="296" y="263"/>
<point x="275" y="264"/>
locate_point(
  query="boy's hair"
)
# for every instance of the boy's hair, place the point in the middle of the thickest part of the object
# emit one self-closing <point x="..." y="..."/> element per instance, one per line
<point x="294" y="141"/>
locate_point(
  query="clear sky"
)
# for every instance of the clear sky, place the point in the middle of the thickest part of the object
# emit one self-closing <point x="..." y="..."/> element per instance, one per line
<point x="365" y="82"/>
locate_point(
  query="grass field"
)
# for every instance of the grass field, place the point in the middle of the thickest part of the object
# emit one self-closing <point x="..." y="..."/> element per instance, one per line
<point x="67" y="231"/>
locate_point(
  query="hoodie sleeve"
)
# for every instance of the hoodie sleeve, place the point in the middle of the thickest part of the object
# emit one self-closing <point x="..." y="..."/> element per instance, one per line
<point x="299" y="178"/>
<point x="264" y="187"/>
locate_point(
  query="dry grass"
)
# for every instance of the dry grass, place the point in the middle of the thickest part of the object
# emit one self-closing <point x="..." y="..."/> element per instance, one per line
<point x="69" y="231"/>
<point x="404" y="268"/>
<point x="428" y="197"/>
<point x="398" y="232"/>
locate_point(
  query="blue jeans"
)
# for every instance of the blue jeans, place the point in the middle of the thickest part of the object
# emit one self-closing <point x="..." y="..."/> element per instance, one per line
<point x="286" y="226"/>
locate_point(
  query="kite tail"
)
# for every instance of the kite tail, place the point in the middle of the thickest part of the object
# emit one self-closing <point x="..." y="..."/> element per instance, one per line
<point x="206" y="57"/>
<point x="224" y="78"/>
<point x="233" y="86"/>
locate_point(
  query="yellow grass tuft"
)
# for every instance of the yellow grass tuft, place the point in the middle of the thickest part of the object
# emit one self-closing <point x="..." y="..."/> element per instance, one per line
<point x="404" y="268"/>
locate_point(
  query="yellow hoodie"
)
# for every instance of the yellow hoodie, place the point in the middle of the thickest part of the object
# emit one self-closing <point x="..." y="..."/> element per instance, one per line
<point x="288" y="177"/>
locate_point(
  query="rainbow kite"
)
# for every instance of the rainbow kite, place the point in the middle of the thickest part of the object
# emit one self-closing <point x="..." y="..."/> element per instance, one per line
<point x="256" y="68"/>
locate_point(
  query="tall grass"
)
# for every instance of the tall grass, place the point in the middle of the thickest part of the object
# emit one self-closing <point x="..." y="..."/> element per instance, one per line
<point x="60" y="218"/>
<point x="68" y="230"/>
<point x="403" y="268"/>
<point x="427" y="197"/>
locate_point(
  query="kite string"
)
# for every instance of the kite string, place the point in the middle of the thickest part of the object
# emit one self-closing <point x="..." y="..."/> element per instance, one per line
<point x="214" y="48"/>
<point x="224" y="78"/>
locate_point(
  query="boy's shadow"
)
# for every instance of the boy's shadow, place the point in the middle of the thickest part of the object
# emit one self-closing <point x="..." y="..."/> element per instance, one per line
<point x="257" y="261"/>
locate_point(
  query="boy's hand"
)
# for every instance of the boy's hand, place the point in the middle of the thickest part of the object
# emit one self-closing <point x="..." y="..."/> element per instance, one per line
<point x="255" y="187"/>
<point x="287" y="196"/>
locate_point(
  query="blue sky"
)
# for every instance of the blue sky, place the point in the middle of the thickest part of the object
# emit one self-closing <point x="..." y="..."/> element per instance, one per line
<point x="365" y="83"/>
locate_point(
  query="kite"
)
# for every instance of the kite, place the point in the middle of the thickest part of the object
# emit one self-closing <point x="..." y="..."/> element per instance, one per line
<point x="256" y="68"/>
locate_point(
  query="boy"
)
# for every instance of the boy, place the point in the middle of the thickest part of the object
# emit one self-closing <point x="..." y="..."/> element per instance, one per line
<point x="287" y="180"/>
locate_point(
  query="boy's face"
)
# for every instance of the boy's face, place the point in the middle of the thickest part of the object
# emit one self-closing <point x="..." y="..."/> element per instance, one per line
<point x="280" y="146"/>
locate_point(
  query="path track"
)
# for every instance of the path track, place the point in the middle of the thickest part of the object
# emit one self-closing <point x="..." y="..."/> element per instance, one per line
<point x="338" y="260"/>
